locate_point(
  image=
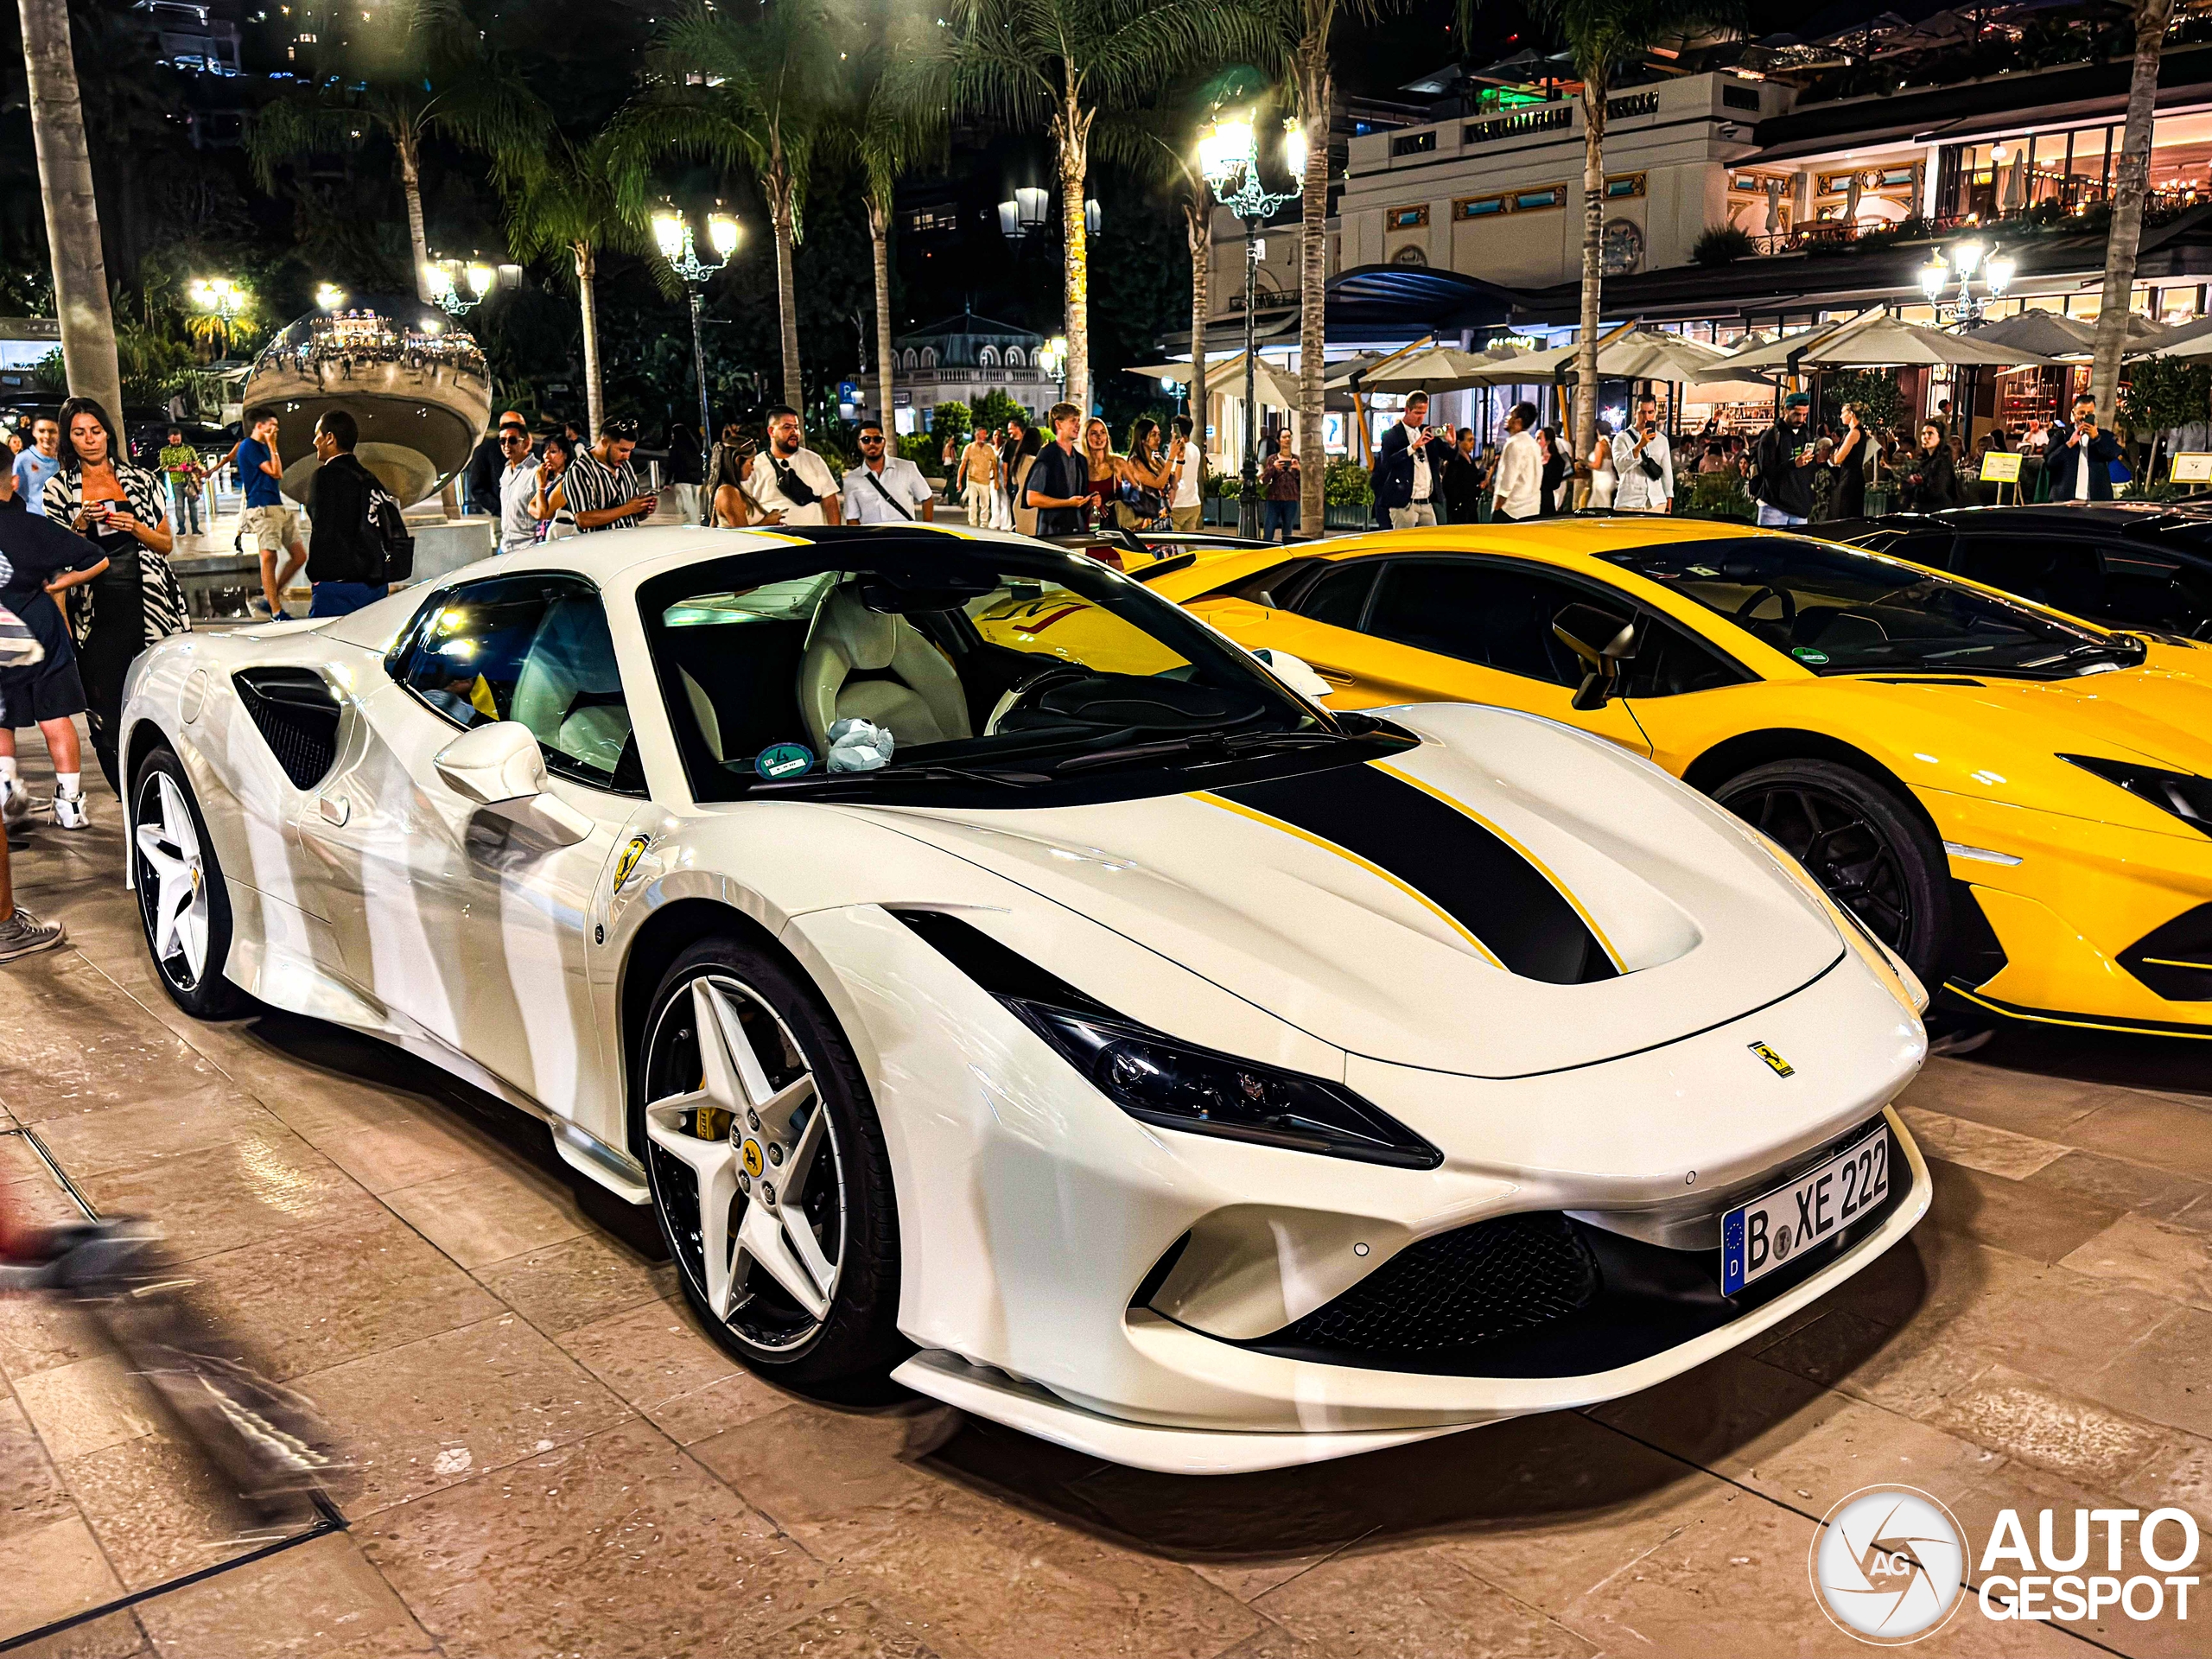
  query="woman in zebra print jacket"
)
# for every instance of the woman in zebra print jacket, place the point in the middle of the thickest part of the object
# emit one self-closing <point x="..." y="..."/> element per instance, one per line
<point x="99" y="494"/>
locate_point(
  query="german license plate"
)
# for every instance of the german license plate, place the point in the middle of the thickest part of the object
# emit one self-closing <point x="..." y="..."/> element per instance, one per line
<point x="1771" y="1231"/>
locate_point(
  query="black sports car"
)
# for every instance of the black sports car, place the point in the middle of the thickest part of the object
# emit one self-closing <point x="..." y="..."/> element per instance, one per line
<point x="2128" y="564"/>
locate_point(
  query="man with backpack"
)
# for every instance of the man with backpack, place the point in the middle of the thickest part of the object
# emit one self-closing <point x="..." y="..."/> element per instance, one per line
<point x="348" y="567"/>
<point x="1781" y="479"/>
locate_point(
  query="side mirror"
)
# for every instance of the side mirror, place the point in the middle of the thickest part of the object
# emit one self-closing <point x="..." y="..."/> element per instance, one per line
<point x="1602" y="663"/>
<point x="494" y="764"/>
<point x="501" y="768"/>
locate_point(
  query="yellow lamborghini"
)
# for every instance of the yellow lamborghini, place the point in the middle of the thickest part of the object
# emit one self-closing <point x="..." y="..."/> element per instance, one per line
<point x="2016" y="802"/>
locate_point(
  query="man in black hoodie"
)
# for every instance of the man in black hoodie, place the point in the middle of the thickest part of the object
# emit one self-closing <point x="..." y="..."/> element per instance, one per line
<point x="345" y="555"/>
<point x="1781" y="467"/>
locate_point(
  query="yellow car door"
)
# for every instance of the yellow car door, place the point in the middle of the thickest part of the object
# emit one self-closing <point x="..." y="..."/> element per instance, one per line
<point x="1446" y="628"/>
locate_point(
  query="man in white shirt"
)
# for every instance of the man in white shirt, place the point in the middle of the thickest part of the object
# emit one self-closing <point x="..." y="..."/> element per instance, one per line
<point x="1643" y="463"/>
<point x="517" y="484"/>
<point x="885" y="489"/>
<point x="794" y="484"/>
<point x="1517" y="490"/>
<point x="1187" y="457"/>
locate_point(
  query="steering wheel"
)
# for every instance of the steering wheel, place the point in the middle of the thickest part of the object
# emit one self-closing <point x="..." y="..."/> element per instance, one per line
<point x="1788" y="608"/>
<point x="1023" y="691"/>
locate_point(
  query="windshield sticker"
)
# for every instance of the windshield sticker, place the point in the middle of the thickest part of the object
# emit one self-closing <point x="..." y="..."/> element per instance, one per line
<point x="784" y="760"/>
<point x="1806" y="654"/>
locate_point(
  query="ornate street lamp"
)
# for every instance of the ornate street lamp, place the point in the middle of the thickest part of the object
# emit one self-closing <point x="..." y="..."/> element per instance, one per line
<point x="1229" y="155"/>
<point x="457" y="288"/>
<point x="672" y="233"/>
<point x="1968" y="308"/>
<point x="1053" y="358"/>
<point x="328" y="296"/>
<point x="1023" y="216"/>
<point x="1963" y="263"/>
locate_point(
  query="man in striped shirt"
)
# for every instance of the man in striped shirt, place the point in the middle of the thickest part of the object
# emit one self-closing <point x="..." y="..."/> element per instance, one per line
<point x="601" y="485"/>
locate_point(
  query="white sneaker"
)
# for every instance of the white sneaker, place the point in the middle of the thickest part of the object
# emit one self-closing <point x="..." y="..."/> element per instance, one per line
<point x="69" y="811"/>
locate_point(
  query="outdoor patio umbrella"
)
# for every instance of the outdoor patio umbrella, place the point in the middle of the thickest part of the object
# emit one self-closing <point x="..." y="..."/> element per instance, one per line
<point x="2050" y="334"/>
<point x="1276" y="387"/>
<point x="1655" y="355"/>
<point x="1437" y="368"/>
<point x="1874" y="340"/>
<point x="2191" y="340"/>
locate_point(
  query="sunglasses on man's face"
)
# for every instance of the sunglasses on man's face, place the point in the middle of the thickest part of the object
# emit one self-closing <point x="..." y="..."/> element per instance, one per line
<point x="512" y="439"/>
<point x="871" y="443"/>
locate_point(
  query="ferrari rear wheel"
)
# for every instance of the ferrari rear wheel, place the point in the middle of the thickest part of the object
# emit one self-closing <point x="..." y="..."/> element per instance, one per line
<point x="768" y="1168"/>
<point x="1864" y="846"/>
<point x="183" y="901"/>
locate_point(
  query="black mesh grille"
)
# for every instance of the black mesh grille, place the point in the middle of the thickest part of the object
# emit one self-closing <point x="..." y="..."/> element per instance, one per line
<point x="1457" y="1289"/>
<point x="297" y="715"/>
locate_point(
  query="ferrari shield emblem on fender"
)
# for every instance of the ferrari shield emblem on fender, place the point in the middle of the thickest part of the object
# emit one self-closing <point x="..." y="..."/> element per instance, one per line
<point x="1782" y="1067"/>
<point x="628" y="862"/>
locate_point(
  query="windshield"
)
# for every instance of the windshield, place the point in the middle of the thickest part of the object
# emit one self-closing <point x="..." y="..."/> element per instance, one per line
<point x="886" y="663"/>
<point x="1841" y="610"/>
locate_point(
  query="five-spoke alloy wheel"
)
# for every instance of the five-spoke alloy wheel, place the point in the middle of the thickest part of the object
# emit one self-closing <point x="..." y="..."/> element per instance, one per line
<point x="767" y="1167"/>
<point x="181" y="897"/>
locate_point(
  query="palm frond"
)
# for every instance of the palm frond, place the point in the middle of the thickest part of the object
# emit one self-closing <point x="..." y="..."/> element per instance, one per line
<point x="300" y="124"/>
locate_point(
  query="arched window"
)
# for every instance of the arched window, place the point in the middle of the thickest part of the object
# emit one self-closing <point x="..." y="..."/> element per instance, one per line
<point x="1409" y="254"/>
<point x="928" y="357"/>
<point x="910" y="358"/>
<point x="989" y="357"/>
<point x="1014" y="358"/>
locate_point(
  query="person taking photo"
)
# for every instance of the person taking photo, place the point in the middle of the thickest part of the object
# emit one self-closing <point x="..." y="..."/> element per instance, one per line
<point x="1782" y="478"/>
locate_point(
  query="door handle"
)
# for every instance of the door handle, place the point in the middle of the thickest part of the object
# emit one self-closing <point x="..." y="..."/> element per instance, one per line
<point x="335" y="809"/>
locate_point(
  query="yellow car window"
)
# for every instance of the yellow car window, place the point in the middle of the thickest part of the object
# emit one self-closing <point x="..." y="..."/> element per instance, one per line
<point x="1052" y="621"/>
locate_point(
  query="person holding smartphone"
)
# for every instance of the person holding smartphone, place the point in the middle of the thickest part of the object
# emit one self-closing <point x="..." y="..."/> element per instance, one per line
<point x="1645" y="462"/>
<point x="135" y="600"/>
<point x="2079" y="456"/>
<point x="601" y="485"/>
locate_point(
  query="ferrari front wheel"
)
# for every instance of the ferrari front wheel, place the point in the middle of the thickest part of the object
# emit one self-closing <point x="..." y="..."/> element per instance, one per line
<point x="1867" y="848"/>
<point x="768" y="1169"/>
<point x="183" y="901"/>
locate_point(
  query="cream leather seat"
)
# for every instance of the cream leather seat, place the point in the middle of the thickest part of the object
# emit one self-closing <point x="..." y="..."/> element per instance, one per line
<point x="909" y="688"/>
<point x="568" y="692"/>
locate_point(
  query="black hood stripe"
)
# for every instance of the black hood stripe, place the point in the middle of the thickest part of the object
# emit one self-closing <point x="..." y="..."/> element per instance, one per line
<point x="1446" y="856"/>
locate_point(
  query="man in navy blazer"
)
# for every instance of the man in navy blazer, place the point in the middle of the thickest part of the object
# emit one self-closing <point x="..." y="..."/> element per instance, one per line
<point x="1410" y="468"/>
<point x="2077" y="459"/>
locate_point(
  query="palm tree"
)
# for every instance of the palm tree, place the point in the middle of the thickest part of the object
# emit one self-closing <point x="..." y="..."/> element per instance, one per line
<point x="73" y="219"/>
<point x="1600" y="36"/>
<point x="762" y="93"/>
<point x="1056" y="64"/>
<point x="886" y="134"/>
<point x="2131" y="179"/>
<point x="567" y="202"/>
<point x="433" y="77"/>
<point x="1315" y="22"/>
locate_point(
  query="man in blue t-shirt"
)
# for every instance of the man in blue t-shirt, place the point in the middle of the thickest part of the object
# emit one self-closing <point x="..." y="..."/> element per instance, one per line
<point x="38" y="463"/>
<point x="271" y="524"/>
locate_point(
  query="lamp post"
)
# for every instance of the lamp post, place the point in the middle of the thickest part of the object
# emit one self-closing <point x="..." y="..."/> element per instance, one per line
<point x="672" y="233"/>
<point x="1053" y="358"/>
<point x="222" y="300"/>
<point x="1229" y="155"/>
<point x="1968" y="307"/>
<point x="1023" y="216"/>
<point x="458" y="286"/>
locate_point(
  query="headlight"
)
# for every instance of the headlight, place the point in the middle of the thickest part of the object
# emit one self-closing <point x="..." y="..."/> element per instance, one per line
<point x="2187" y="797"/>
<point x="1161" y="1081"/>
<point x="1888" y="966"/>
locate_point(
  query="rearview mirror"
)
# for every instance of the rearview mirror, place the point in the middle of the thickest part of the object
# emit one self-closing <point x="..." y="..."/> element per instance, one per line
<point x="493" y="763"/>
<point x="1601" y="664"/>
<point x="499" y="767"/>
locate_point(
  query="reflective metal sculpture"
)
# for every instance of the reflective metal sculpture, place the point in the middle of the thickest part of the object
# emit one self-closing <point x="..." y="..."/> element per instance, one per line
<point x="416" y="383"/>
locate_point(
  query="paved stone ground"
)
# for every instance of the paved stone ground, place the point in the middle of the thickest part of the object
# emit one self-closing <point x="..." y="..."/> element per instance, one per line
<point x="555" y="1461"/>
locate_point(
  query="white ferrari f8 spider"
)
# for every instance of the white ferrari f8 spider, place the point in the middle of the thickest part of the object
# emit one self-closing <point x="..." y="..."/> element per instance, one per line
<point x="986" y="970"/>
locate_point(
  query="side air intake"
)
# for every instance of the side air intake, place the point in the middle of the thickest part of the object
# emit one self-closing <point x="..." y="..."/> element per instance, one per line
<point x="297" y="714"/>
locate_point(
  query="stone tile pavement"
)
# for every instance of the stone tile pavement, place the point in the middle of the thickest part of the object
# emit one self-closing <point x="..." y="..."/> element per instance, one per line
<point x="553" y="1460"/>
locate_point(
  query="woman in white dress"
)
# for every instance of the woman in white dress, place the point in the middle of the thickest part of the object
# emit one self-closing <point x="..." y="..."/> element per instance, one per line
<point x="1604" y="481"/>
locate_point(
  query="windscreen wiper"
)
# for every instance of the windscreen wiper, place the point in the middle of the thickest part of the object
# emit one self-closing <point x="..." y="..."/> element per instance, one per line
<point x="918" y="772"/>
<point x="1230" y="744"/>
